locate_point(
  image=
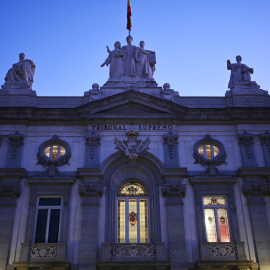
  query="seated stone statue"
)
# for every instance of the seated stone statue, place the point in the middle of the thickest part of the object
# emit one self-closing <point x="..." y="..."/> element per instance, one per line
<point x="240" y="73"/>
<point x="115" y="60"/>
<point x="22" y="71"/>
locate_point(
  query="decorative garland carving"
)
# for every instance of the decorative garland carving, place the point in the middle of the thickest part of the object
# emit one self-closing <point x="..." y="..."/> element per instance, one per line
<point x="171" y="140"/>
<point x="132" y="147"/>
<point x="43" y="251"/>
<point x="246" y="139"/>
<point x="219" y="159"/>
<point x="257" y="190"/>
<point x="10" y="191"/>
<point x="174" y="191"/>
<point x="222" y="250"/>
<point x="133" y="251"/>
<point x="92" y="140"/>
<point x="15" y="141"/>
<point x="46" y="161"/>
<point x="91" y="191"/>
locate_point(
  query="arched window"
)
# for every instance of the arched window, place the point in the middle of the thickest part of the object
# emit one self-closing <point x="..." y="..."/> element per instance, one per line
<point x="132" y="213"/>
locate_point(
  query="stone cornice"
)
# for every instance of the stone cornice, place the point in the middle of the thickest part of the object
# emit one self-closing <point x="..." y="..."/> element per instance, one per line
<point x="253" y="171"/>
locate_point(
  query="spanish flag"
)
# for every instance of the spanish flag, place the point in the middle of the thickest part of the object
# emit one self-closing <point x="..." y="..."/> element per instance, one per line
<point x="129" y="24"/>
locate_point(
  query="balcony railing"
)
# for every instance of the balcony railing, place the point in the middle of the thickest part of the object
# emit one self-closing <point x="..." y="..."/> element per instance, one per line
<point x="127" y="252"/>
<point x="43" y="252"/>
<point x="212" y="251"/>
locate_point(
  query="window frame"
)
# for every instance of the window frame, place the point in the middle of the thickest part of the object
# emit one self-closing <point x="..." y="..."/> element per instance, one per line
<point x="48" y="218"/>
<point x="215" y="207"/>
<point x="127" y="198"/>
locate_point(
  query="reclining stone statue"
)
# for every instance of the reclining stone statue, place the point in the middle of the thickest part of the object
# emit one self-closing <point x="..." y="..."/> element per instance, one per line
<point x="23" y="71"/>
<point x="240" y="73"/>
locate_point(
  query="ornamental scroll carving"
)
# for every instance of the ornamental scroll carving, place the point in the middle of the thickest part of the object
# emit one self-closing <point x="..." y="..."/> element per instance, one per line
<point x="11" y="191"/>
<point x="43" y="251"/>
<point x="171" y="149"/>
<point x="247" y="149"/>
<point x="224" y="250"/>
<point x="15" y="141"/>
<point x="132" y="147"/>
<point x="265" y="139"/>
<point x="133" y="251"/>
<point x="174" y="191"/>
<point x="91" y="191"/>
<point x="92" y="141"/>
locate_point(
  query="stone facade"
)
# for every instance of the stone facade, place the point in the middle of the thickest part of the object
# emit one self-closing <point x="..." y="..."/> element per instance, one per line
<point x="65" y="160"/>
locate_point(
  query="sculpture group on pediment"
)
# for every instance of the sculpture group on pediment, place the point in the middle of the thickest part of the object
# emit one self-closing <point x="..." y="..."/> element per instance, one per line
<point x="21" y="72"/>
<point x="130" y="61"/>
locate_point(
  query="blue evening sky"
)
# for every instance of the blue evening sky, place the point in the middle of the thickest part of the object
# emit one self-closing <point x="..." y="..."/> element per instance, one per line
<point x="192" y="39"/>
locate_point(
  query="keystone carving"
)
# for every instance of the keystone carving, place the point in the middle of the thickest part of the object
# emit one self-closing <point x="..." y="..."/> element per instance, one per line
<point x="91" y="191"/>
<point x="174" y="191"/>
<point x="132" y="147"/>
<point x="10" y="191"/>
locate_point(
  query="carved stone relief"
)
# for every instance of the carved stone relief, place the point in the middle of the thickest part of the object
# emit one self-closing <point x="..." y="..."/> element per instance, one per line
<point x="132" y="147"/>
<point x="174" y="192"/>
<point x="12" y="191"/>
<point x="91" y="191"/>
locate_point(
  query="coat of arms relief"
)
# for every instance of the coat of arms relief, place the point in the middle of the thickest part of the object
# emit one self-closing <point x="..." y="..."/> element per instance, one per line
<point x="132" y="147"/>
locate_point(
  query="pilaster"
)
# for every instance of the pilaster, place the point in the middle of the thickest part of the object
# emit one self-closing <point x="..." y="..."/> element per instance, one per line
<point x="176" y="230"/>
<point x="90" y="195"/>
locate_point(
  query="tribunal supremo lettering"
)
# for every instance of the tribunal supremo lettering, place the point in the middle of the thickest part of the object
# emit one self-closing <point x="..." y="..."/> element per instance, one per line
<point x="128" y="127"/>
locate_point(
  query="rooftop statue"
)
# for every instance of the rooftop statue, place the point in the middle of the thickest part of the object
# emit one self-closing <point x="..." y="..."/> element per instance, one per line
<point x="130" y="62"/>
<point x="144" y="68"/>
<point x="240" y="73"/>
<point x="23" y="71"/>
<point x="115" y="60"/>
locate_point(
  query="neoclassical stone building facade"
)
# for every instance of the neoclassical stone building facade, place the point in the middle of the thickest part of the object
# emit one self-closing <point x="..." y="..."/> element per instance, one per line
<point x="133" y="176"/>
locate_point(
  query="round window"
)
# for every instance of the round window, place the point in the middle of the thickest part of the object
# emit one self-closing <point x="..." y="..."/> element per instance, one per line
<point x="54" y="151"/>
<point x="209" y="151"/>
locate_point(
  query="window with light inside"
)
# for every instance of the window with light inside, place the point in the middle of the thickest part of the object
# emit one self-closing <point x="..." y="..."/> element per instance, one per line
<point x="54" y="151"/>
<point x="48" y="220"/>
<point x="208" y="151"/>
<point x="132" y="213"/>
<point x="216" y="219"/>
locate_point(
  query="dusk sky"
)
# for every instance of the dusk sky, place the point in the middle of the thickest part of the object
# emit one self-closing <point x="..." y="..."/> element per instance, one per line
<point x="192" y="39"/>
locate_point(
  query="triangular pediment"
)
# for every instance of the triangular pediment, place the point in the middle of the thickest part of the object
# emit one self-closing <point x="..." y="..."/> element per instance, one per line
<point x="132" y="104"/>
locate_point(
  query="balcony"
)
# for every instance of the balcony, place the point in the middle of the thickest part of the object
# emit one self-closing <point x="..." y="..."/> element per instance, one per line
<point x="152" y="256"/>
<point x="216" y="254"/>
